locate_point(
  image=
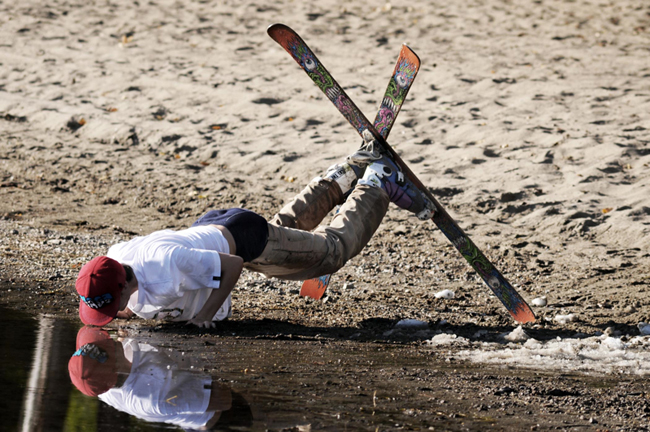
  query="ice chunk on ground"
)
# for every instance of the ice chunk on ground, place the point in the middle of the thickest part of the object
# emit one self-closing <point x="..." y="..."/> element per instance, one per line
<point x="445" y="339"/>
<point x="644" y="328"/>
<point x="563" y="319"/>
<point x="517" y="335"/>
<point x="539" y="301"/>
<point x="411" y="323"/>
<point x="613" y="343"/>
<point x="445" y="294"/>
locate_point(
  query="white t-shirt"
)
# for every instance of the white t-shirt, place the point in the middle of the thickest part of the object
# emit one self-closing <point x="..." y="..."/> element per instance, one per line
<point x="157" y="391"/>
<point x="176" y="271"/>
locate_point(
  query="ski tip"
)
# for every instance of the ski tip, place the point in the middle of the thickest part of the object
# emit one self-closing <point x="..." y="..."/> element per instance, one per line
<point x="276" y="29"/>
<point x="315" y="288"/>
<point x="272" y="27"/>
<point x="410" y="54"/>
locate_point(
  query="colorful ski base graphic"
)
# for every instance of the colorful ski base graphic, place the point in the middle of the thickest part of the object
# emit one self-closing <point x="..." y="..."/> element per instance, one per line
<point x="315" y="288"/>
<point x="505" y="292"/>
<point x="304" y="56"/>
<point x="406" y="68"/>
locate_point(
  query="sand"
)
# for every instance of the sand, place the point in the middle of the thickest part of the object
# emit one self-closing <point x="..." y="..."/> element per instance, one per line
<point x="528" y="120"/>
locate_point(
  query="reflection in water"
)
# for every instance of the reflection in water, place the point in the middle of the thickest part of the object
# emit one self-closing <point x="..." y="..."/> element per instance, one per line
<point x="37" y="393"/>
<point x="141" y="385"/>
<point x="34" y="387"/>
<point x="152" y="384"/>
<point x="37" y="375"/>
<point x="55" y="377"/>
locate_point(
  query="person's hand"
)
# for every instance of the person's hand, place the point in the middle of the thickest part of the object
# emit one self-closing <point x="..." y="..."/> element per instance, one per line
<point x="126" y="313"/>
<point x="200" y="323"/>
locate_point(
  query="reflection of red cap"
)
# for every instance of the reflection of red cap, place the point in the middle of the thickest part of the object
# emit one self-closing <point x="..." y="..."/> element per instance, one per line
<point x="92" y="367"/>
<point x="100" y="284"/>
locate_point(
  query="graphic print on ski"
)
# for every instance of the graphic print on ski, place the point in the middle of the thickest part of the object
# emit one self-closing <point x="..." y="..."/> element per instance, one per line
<point x="294" y="45"/>
<point x="406" y="68"/>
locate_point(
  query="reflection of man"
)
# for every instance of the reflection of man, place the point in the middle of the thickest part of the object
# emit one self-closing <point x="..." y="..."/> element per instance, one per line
<point x="142" y="381"/>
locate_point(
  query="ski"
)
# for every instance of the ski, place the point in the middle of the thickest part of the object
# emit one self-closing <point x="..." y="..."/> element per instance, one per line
<point x="406" y="69"/>
<point x="504" y="291"/>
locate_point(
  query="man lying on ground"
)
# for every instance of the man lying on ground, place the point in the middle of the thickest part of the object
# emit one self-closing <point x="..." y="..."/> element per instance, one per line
<point x="190" y="274"/>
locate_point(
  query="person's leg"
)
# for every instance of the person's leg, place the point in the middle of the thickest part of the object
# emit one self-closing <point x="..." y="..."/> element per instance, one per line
<point x="308" y="209"/>
<point x="297" y="255"/>
<point x="310" y="206"/>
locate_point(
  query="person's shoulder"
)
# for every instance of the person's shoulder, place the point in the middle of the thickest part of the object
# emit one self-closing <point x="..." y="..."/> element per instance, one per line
<point x="126" y="250"/>
<point x="117" y="251"/>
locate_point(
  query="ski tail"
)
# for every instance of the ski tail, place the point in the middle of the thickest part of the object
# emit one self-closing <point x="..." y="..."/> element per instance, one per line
<point x="406" y="69"/>
<point x="315" y="288"/>
<point x="304" y="56"/>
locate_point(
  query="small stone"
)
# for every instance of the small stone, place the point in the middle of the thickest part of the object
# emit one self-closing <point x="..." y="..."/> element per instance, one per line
<point x="629" y="310"/>
<point x="612" y="332"/>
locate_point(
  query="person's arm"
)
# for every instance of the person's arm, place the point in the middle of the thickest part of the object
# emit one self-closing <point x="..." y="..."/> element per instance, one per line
<point x="231" y="268"/>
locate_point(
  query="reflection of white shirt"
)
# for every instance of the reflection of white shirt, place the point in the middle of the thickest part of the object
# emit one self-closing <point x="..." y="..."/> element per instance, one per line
<point x="156" y="391"/>
<point x="176" y="271"/>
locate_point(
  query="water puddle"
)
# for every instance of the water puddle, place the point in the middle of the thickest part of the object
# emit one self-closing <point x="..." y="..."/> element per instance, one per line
<point x="57" y="376"/>
<point x="60" y="377"/>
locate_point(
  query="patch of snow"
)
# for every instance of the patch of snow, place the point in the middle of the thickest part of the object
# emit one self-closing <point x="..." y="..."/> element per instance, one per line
<point x="597" y="354"/>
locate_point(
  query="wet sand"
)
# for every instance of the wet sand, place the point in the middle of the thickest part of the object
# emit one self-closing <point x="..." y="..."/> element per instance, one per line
<point x="528" y="121"/>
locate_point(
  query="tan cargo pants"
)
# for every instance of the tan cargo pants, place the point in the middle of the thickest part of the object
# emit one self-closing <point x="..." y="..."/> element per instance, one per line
<point x="296" y="252"/>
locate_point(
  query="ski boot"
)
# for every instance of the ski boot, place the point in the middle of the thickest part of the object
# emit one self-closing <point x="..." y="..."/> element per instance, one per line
<point x="347" y="174"/>
<point x="382" y="171"/>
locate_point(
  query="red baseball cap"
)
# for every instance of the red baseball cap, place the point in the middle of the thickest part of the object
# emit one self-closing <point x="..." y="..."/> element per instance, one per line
<point x="93" y="366"/>
<point x="99" y="285"/>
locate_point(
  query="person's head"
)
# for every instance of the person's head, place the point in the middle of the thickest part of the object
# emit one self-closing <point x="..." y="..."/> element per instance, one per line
<point x="104" y="286"/>
<point x="93" y="367"/>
